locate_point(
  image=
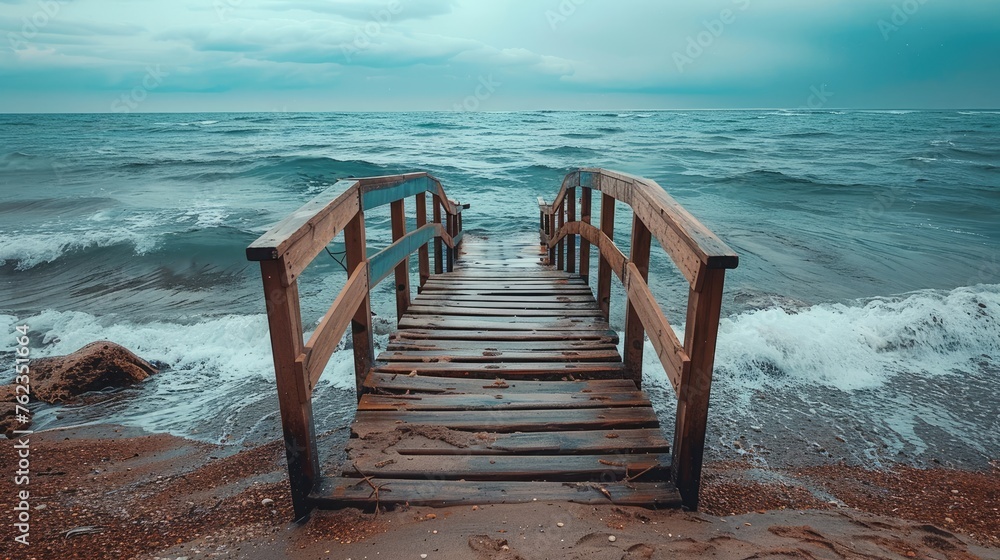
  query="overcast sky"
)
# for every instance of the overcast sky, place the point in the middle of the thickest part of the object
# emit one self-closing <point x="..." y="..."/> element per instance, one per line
<point x="349" y="55"/>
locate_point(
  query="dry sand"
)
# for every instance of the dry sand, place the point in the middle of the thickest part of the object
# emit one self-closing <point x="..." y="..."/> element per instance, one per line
<point x="158" y="496"/>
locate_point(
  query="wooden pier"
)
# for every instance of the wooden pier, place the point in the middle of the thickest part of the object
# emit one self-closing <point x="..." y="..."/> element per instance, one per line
<point x="503" y="382"/>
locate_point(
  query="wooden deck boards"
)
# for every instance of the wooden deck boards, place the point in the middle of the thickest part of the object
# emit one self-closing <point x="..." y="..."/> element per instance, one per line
<point x="503" y="384"/>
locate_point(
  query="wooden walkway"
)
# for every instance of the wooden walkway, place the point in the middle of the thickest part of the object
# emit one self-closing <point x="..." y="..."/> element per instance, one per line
<point x="503" y="382"/>
<point x="503" y="385"/>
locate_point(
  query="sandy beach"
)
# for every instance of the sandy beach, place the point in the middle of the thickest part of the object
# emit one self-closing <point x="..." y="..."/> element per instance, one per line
<point x="112" y="492"/>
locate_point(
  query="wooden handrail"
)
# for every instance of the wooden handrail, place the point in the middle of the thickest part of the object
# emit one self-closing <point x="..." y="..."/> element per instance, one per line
<point x="291" y="245"/>
<point x="699" y="255"/>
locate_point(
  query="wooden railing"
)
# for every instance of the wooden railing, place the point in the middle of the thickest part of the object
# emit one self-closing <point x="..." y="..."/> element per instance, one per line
<point x="288" y="248"/>
<point x="701" y="257"/>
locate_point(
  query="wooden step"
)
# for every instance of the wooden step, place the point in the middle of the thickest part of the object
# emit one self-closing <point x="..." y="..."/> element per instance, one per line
<point x="597" y="468"/>
<point x="433" y="384"/>
<point x="353" y="492"/>
<point x="507" y="421"/>
<point x="503" y="401"/>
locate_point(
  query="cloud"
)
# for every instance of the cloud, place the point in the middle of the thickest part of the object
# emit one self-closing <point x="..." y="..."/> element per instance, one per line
<point x="365" y="10"/>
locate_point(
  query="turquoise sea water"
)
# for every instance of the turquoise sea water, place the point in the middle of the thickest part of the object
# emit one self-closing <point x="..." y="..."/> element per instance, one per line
<point x="866" y="307"/>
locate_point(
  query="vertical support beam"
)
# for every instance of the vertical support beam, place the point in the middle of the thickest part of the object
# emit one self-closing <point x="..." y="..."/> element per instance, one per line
<point x="285" y="323"/>
<point x="450" y="251"/>
<point x="438" y="254"/>
<point x="541" y="221"/>
<point x="585" y="203"/>
<point x="423" y="258"/>
<point x="398" y="216"/>
<point x="634" y="332"/>
<point x="604" y="268"/>
<point x="700" y="331"/>
<point x="361" y="324"/>
<point x="571" y="239"/>
<point x="561" y="249"/>
<point x="551" y="219"/>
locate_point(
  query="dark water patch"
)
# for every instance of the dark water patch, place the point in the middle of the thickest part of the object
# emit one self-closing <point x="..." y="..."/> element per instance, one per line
<point x="581" y="135"/>
<point x="570" y="151"/>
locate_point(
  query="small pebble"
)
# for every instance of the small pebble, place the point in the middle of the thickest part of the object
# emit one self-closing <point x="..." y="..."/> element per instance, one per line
<point x="948" y="520"/>
<point x="434" y="532"/>
<point x="612" y="538"/>
<point x="474" y="508"/>
<point x="560" y="524"/>
<point x="430" y="516"/>
<point x="954" y="491"/>
<point x="423" y="556"/>
<point x="266" y="502"/>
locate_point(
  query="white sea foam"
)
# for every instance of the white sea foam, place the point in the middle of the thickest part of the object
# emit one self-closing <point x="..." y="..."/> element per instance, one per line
<point x="862" y="346"/>
<point x="218" y="368"/>
<point x="30" y="249"/>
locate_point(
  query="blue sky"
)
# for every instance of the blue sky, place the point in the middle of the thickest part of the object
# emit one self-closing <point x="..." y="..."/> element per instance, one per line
<point x="350" y="55"/>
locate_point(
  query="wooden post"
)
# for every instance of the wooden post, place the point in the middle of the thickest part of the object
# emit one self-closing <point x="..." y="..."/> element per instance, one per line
<point x="700" y="331"/>
<point x="398" y="214"/>
<point x="571" y="239"/>
<point x="450" y="251"/>
<point x="551" y="219"/>
<point x="541" y="221"/>
<point x="561" y="249"/>
<point x="285" y="323"/>
<point x="361" y="325"/>
<point x="423" y="259"/>
<point x="438" y="254"/>
<point x="585" y="203"/>
<point x="634" y="332"/>
<point x="603" y="267"/>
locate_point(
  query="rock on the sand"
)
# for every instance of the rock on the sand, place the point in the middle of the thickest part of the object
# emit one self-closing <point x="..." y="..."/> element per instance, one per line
<point x="98" y="365"/>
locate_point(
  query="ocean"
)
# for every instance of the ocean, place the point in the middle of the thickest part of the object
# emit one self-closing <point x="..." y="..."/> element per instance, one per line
<point x="863" y="323"/>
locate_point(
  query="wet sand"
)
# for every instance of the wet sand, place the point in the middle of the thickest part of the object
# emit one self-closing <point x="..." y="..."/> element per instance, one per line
<point x="131" y="495"/>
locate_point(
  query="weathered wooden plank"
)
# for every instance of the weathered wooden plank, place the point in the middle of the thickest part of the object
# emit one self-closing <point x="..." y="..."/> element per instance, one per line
<point x="506" y="401"/>
<point x="610" y="442"/>
<point x="361" y="325"/>
<point x="502" y="323"/>
<point x="574" y="468"/>
<point x="551" y="370"/>
<point x="396" y="344"/>
<point x="485" y="335"/>
<point x="638" y="267"/>
<point x="366" y="422"/>
<point x="301" y="236"/>
<point x="460" y="311"/>
<point x="700" y="334"/>
<point x="350" y="492"/>
<point x="402" y="269"/>
<point x="387" y="260"/>
<point x="604" y="267"/>
<point x="669" y="350"/>
<point x="373" y="196"/>
<point x="446" y="281"/>
<point x="607" y="248"/>
<point x="529" y="300"/>
<point x="608" y="354"/>
<point x="427" y="384"/>
<point x="449" y="304"/>
<point x="285" y="325"/>
<point x="332" y="326"/>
